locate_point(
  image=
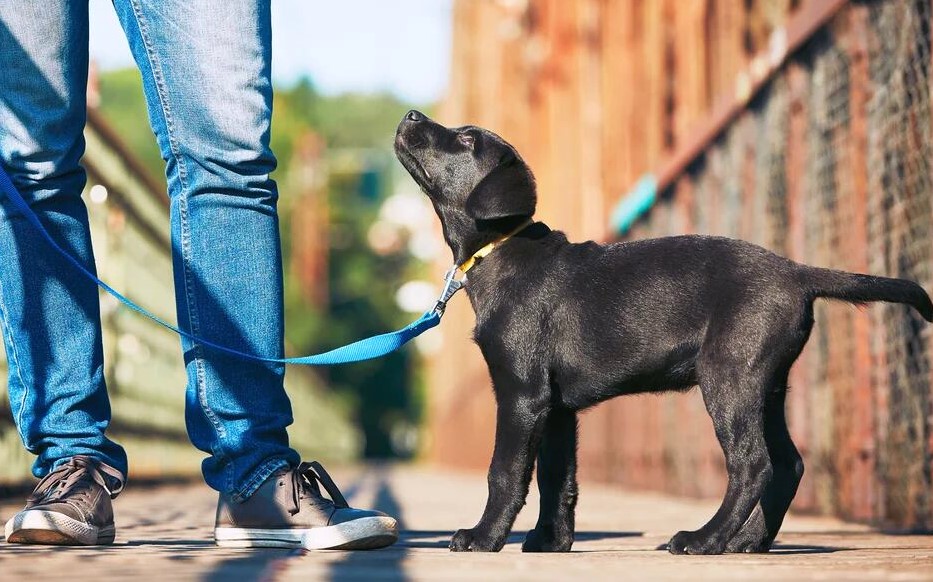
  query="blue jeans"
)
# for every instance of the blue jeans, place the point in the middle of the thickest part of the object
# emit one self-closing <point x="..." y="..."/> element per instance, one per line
<point x="205" y="67"/>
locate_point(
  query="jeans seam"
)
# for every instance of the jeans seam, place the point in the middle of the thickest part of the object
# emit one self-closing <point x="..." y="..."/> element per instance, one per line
<point x="193" y="319"/>
<point x="15" y="360"/>
<point x="258" y="477"/>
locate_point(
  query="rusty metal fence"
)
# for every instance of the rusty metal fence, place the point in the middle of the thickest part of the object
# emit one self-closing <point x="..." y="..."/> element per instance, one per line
<point x="831" y="165"/>
<point x="826" y="157"/>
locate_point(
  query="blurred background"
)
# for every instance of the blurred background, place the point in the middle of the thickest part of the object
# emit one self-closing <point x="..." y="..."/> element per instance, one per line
<point x="801" y="125"/>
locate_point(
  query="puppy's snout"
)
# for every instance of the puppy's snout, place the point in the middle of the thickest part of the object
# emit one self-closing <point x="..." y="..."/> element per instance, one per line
<point x="411" y="130"/>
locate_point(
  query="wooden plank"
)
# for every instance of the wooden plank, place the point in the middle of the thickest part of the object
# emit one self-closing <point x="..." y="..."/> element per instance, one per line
<point x="691" y="67"/>
<point x="861" y="440"/>
<point x="654" y="80"/>
<point x="590" y="108"/>
<point x="928" y="285"/>
<point x="617" y="50"/>
<point x="801" y="26"/>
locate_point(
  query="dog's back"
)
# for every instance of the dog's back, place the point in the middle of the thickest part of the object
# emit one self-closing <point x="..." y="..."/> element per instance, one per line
<point x="634" y="316"/>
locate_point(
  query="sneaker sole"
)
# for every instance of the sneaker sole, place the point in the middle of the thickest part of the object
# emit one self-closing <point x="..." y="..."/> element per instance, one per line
<point x="57" y="529"/>
<point x="366" y="533"/>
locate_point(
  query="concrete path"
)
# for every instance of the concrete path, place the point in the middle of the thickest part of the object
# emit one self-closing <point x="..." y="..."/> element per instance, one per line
<point x="164" y="534"/>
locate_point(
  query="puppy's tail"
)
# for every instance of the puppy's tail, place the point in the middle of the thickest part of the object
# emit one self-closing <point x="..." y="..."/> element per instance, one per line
<point x="857" y="288"/>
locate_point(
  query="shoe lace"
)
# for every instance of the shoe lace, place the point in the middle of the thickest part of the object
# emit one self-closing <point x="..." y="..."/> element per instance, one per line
<point x="74" y="479"/>
<point x="307" y="480"/>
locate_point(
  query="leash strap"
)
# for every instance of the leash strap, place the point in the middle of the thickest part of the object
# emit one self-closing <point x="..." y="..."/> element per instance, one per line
<point x="365" y="349"/>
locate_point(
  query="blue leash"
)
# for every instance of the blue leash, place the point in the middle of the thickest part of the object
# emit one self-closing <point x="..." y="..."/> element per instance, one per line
<point x="365" y="349"/>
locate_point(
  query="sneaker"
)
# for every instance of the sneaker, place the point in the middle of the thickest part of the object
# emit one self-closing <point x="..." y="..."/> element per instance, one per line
<point x="289" y="511"/>
<point x="71" y="506"/>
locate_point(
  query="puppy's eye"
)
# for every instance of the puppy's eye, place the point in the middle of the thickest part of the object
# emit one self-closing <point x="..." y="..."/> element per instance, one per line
<point x="466" y="139"/>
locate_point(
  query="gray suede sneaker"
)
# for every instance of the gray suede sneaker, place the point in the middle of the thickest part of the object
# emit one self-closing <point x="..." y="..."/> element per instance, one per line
<point x="289" y="511"/>
<point x="70" y="506"/>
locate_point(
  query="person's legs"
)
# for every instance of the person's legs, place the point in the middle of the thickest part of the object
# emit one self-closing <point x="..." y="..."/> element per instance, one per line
<point x="49" y="316"/>
<point x="206" y="72"/>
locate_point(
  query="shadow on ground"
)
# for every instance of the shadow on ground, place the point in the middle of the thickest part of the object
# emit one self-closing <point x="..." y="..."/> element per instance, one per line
<point x="386" y="564"/>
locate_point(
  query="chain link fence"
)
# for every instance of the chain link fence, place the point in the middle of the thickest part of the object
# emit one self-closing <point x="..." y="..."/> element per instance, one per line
<point x="831" y="165"/>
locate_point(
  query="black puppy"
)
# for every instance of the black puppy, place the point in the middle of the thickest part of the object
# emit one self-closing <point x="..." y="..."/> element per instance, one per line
<point x="564" y="326"/>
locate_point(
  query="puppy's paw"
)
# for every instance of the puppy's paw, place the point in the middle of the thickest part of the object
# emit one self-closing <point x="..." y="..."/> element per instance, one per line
<point x="753" y="538"/>
<point x="544" y="540"/>
<point x="694" y="543"/>
<point x="462" y="541"/>
<point x="748" y="543"/>
<point x="469" y="540"/>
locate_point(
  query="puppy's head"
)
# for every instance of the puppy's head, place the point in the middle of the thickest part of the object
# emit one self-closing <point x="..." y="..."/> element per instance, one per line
<point x="477" y="182"/>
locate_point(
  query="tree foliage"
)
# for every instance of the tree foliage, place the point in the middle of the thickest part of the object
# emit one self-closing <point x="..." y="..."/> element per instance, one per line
<point x="358" y="131"/>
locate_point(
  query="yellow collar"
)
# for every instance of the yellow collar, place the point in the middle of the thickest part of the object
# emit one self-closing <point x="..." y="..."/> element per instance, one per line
<point x="471" y="262"/>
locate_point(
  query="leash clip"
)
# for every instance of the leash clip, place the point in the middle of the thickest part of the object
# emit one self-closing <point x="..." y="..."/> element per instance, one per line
<point x="451" y="286"/>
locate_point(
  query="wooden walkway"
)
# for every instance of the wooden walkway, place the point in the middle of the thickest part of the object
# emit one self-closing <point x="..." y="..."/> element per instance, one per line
<point x="164" y="533"/>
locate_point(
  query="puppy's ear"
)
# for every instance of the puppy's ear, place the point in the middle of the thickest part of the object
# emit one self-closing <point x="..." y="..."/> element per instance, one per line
<point x="508" y="190"/>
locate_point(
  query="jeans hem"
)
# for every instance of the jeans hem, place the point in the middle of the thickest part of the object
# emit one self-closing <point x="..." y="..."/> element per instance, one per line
<point x="258" y="477"/>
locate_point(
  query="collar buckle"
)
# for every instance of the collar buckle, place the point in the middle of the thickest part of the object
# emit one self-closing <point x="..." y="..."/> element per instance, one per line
<point x="451" y="286"/>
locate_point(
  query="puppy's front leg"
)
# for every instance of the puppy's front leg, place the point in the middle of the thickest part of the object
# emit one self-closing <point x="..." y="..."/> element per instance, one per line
<point x="519" y="423"/>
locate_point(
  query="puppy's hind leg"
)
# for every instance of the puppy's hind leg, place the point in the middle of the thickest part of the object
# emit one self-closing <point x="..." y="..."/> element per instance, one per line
<point x="735" y="406"/>
<point x="557" y="484"/>
<point x="762" y="527"/>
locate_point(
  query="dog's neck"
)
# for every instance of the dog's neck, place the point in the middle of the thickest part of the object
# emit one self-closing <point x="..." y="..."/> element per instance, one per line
<point x="465" y="246"/>
<point x="494" y="278"/>
<point x="489" y="247"/>
<point x="526" y="231"/>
